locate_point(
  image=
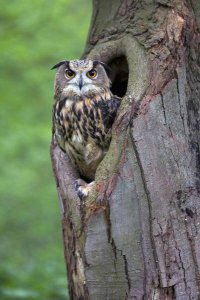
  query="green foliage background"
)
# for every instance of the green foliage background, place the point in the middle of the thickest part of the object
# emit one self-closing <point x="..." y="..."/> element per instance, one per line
<point x="34" y="36"/>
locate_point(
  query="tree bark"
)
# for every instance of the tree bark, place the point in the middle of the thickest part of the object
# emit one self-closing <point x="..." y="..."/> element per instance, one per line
<point x="138" y="235"/>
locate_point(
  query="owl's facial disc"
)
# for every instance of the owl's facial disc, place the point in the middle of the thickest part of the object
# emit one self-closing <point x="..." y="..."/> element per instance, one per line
<point x="80" y="83"/>
<point x="82" y="78"/>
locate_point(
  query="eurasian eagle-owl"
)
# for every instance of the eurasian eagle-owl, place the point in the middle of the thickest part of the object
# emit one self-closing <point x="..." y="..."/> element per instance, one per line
<point x="83" y="114"/>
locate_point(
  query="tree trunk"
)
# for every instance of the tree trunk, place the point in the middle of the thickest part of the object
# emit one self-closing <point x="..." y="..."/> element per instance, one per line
<point x="138" y="236"/>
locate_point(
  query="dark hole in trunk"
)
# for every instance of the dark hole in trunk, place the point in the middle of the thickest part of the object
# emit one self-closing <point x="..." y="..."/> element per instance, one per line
<point x="119" y="75"/>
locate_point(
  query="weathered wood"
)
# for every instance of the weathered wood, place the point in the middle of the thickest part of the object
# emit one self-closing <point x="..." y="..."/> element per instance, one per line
<point x="138" y="235"/>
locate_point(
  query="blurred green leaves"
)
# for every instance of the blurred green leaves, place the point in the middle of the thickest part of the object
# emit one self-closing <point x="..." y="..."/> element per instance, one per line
<point x="34" y="36"/>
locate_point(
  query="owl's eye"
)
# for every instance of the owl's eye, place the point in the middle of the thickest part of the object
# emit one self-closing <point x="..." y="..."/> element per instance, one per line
<point x="69" y="73"/>
<point x="92" y="73"/>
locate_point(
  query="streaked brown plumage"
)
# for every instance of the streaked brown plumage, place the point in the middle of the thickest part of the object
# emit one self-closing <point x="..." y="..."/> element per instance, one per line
<point x="83" y="113"/>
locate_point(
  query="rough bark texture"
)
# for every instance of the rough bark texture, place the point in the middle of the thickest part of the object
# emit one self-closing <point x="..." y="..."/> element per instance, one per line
<point x="138" y="236"/>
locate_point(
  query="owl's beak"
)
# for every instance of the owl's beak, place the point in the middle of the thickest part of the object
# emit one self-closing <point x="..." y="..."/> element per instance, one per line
<point x="80" y="83"/>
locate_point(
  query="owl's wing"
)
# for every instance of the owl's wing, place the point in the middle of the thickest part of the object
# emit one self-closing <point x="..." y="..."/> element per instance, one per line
<point x="109" y="109"/>
<point x="58" y="130"/>
<point x="60" y="136"/>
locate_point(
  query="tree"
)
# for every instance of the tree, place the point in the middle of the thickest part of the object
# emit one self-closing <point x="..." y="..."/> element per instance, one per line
<point x="138" y="235"/>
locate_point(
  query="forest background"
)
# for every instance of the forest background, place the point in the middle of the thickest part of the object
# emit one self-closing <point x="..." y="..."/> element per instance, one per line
<point x="34" y="36"/>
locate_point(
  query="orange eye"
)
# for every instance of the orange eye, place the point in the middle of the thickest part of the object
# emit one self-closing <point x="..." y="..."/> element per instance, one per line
<point x="69" y="73"/>
<point x="92" y="73"/>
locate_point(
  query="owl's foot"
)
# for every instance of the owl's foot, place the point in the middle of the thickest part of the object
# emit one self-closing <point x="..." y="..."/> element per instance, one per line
<point x="82" y="188"/>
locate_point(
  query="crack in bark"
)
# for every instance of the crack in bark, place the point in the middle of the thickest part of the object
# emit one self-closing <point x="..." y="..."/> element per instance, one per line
<point x="179" y="100"/>
<point x="163" y="107"/>
<point x="109" y="233"/>
<point x="176" y="161"/>
<point x="164" y="272"/>
<point x="149" y="208"/>
<point x="126" y="273"/>
<point x="115" y="249"/>
<point x="184" y="271"/>
<point x="193" y="250"/>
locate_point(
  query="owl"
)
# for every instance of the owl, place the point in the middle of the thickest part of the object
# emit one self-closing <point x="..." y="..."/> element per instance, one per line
<point x="83" y="113"/>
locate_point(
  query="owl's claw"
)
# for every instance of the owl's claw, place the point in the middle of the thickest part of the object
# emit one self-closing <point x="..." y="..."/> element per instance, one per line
<point x="82" y="188"/>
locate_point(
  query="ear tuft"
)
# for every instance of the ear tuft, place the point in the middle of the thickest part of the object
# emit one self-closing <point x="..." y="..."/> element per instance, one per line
<point x="63" y="62"/>
<point x="106" y="67"/>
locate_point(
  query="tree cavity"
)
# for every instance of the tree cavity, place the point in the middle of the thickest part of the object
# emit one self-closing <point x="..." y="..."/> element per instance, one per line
<point x="119" y="75"/>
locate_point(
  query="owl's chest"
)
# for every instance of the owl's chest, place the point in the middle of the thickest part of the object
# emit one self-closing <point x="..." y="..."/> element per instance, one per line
<point x="84" y="123"/>
<point x="82" y="130"/>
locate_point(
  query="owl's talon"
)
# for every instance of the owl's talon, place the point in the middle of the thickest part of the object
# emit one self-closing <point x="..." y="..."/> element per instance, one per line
<point x="82" y="188"/>
<point x="76" y="184"/>
<point x="81" y="194"/>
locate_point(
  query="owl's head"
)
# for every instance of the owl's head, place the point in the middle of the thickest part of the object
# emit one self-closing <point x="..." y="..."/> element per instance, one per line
<point x="79" y="78"/>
